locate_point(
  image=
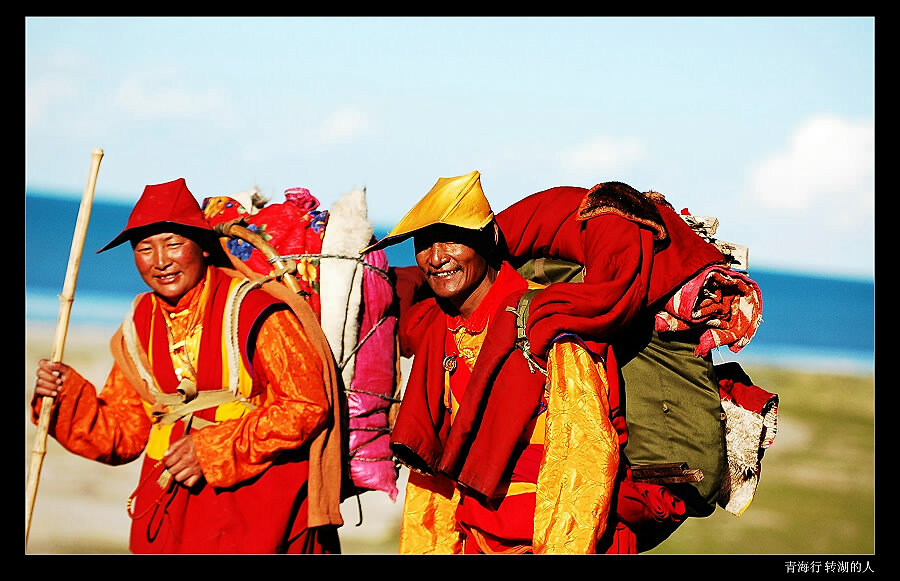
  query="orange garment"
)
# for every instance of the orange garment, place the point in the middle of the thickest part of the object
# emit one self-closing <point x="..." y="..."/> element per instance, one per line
<point x="255" y="461"/>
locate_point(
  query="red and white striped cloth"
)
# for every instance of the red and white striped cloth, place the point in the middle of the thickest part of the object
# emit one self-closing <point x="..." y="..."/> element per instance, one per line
<point x="725" y="302"/>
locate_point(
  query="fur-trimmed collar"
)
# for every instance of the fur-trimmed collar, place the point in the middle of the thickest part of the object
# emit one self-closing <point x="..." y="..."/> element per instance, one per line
<point x="623" y="200"/>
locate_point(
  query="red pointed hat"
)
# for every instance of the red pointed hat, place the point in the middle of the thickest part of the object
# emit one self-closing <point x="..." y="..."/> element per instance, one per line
<point x="171" y="202"/>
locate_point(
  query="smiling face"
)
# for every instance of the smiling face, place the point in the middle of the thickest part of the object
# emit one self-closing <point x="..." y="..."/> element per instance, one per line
<point x="170" y="264"/>
<point x="454" y="265"/>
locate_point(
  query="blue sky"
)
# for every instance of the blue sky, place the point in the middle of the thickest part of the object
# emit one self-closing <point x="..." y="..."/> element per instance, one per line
<point x="767" y="124"/>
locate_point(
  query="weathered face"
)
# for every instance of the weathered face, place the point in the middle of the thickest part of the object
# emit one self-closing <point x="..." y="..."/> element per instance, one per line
<point x="453" y="266"/>
<point x="170" y="264"/>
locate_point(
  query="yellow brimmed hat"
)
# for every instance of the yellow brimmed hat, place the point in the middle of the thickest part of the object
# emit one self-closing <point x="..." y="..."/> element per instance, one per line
<point x="457" y="201"/>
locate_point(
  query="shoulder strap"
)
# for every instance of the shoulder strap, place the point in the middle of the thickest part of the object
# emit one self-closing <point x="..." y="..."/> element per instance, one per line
<point x="522" y="342"/>
<point x="521" y="311"/>
<point x="236" y="294"/>
<point x="131" y="358"/>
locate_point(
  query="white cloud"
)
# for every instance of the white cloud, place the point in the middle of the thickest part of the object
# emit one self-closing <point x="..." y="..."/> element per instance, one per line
<point x="830" y="162"/>
<point x="158" y="94"/>
<point x="603" y="155"/>
<point x="43" y="94"/>
<point x="299" y="133"/>
<point x="343" y="125"/>
<point x="54" y="80"/>
<point x="811" y="206"/>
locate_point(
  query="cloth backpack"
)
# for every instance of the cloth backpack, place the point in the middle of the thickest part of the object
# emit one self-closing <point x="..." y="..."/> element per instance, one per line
<point x="673" y="409"/>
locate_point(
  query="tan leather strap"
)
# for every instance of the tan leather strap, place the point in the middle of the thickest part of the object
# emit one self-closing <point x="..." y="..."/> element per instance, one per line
<point x="188" y="400"/>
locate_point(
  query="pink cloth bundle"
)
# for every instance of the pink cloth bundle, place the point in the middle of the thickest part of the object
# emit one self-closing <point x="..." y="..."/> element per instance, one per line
<point x="372" y="389"/>
<point x="297" y="227"/>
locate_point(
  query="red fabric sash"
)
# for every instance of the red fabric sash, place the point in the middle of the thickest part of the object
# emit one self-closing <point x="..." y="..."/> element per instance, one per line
<point x="501" y="398"/>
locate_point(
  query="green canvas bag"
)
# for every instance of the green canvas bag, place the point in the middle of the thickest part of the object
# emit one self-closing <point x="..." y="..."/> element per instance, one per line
<point x="673" y="410"/>
<point x="676" y="425"/>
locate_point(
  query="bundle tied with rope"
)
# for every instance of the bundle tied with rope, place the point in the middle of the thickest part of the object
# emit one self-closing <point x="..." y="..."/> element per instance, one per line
<point x="315" y="254"/>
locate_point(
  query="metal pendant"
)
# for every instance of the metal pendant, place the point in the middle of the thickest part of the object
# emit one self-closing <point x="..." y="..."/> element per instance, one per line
<point x="450" y="363"/>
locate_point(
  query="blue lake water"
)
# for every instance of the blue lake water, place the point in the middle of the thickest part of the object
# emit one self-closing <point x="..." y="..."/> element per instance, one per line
<point x="811" y="322"/>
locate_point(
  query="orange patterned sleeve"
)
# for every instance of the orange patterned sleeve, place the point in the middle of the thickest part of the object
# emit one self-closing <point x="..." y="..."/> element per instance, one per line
<point x="111" y="427"/>
<point x="581" y="455"/>
<point x="291" y="413"/>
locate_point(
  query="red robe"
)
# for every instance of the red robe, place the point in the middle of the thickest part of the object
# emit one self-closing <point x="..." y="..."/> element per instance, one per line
<point x="253" y="498"/>
<point x="635" y="252"/>
<point x="484" y="448"/>
<point x="501" y="397"/>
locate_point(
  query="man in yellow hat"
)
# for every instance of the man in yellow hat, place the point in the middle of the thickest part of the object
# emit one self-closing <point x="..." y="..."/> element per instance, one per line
<point x="509" y="451"/>
<point x="228" y="392"/>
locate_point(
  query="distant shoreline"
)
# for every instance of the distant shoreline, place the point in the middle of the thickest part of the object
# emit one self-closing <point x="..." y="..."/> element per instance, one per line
<point x="72" y="199"/>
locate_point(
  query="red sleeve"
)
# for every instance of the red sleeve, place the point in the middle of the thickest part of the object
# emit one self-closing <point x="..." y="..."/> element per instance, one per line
<point x="414" y="323"/>
<point x="410" y="286"/>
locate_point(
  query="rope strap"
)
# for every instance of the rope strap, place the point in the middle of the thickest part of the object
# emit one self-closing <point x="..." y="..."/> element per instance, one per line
<point x="360" y="343"/>
<point x="291" y="257"/>
<point x="522" y="342"/>
<point x="187" y="400"/>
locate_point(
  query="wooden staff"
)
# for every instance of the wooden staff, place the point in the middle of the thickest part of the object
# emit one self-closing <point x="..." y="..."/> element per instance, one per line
<point x="59" y="340"/>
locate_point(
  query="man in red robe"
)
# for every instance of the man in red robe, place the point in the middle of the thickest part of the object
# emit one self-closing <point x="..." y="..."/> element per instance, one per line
<point x="511" y="449"/>
<point x="229" y="393"/>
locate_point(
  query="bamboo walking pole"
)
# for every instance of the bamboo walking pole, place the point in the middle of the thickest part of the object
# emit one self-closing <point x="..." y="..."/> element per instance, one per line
<point x="59" y="340"/>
